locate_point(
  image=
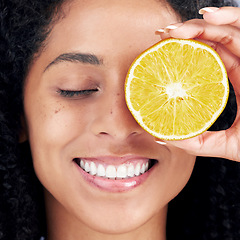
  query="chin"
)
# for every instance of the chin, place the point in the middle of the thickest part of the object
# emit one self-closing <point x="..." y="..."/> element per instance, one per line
<point x="125" y="220"/>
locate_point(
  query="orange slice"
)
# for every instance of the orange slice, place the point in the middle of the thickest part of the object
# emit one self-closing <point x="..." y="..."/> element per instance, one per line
<point x="177" y="88"/>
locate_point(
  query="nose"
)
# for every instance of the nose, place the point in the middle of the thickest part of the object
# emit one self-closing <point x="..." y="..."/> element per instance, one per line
<point x="114" y="120"/>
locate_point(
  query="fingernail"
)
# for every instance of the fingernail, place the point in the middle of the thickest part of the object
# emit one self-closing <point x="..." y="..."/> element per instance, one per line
<point x="173" y="27"/>
<point x="161" y="30"/>
<point x="169" y="27"/>
<point x="161" y="142"/>
<point x="208" y="10"/>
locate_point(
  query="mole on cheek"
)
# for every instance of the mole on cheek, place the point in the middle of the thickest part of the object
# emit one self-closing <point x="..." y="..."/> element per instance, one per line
<point x="58" y="109"/>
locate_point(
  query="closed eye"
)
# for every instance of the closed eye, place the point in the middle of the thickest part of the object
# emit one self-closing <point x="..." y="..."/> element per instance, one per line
<point x="78" y="93"/>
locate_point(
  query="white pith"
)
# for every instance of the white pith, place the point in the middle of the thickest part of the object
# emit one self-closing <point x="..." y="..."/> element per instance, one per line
<point x="122" y="171"/>
<point x="175" y="90"/>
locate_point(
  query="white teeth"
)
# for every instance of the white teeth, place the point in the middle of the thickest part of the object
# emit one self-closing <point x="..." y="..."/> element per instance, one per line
<point x="130" y="171"/>
<point x="111" y="172"/>
<point x="93" y="168"/>
<point x="143" y="168"/>
<point x="101" y="171"/>
<point x="87" y="167"/>
<point x="82" y="164"/>
<point x="147" y="166"/>
<point x="122" y="171"/>
<point x="137" y="169"/>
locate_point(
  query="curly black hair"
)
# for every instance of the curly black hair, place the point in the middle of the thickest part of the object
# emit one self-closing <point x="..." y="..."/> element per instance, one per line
<point x="208" y="207"/>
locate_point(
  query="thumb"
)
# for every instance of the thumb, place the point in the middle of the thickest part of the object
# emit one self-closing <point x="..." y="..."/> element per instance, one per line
<point x="211" y="144"/>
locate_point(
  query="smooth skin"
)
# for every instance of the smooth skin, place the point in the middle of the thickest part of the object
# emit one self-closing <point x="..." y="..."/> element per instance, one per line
<point x="220" y="29"/>
<point x="62" y="127"/>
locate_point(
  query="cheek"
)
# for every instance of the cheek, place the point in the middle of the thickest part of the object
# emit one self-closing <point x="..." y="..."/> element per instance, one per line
<point x="181" y="167"/>
<point x="52" y="128"/>
<point x="55" y="124"/>
<point x="173" y="174"/>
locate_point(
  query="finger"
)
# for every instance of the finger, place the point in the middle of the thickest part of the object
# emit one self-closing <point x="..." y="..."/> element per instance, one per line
<point x="226" y="35"/>
<point x="221" y="16"/>
<point x="232" y="64"/>
<point x="162" y="34"/>
<point x="198" y="145"/>
<point x="211" y="144"/>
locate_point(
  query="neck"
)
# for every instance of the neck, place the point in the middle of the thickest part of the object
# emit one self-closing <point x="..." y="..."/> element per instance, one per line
<point x="63" y="226"/>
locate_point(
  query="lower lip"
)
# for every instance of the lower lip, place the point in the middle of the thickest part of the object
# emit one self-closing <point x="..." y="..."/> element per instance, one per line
<point x="112" y="185"/>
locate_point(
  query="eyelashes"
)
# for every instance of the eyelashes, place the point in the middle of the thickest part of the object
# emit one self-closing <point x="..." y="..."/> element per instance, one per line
<point x="77" y="93"/>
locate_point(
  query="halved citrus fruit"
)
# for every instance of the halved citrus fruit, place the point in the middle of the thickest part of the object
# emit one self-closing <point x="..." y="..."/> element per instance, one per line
<point x="177" y="88"/>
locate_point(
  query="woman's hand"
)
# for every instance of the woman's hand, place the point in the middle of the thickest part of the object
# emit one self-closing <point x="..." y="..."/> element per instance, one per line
<point x="221" y="30"/>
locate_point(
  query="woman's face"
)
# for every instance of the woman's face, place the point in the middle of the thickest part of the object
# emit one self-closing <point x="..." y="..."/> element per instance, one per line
<point x="76" y="112"/>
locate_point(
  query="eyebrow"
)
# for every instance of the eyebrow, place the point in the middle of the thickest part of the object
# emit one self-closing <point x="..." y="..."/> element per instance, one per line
<point x="76" y="57"/>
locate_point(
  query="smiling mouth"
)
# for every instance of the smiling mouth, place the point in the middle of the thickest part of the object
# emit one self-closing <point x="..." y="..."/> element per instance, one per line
<point x="115" y="172"/>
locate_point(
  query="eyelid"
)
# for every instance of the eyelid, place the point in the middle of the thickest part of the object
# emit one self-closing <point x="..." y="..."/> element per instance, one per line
<point x="77" y="93"/>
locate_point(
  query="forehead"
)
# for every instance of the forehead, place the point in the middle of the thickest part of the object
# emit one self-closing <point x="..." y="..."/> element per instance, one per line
<point x="98" y="18"/>
<point x="107" y="26"/>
